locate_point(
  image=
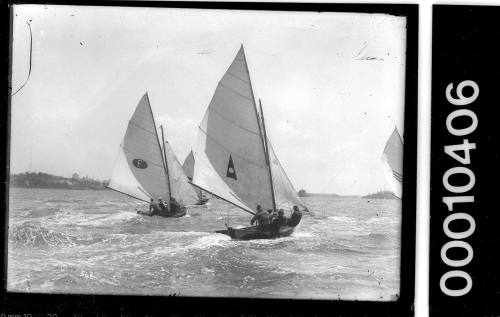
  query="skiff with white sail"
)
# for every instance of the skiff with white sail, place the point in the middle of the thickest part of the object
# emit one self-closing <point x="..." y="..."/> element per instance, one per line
<point x="144" y="169"/>
<point x="392" y="158"/>
<point x="188" y="167"/>
<point x="234" y="159"/>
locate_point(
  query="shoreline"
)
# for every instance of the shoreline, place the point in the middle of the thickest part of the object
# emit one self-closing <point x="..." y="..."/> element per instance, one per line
<point x="57" y="188"/>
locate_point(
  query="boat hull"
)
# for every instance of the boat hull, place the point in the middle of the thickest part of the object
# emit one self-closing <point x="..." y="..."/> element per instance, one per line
<point x="181" y="213"/>
<point x="256" y="232"/>
<point x="201" y="202"/>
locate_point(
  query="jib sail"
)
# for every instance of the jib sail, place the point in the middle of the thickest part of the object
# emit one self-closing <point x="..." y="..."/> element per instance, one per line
<point x="180" y="187"/>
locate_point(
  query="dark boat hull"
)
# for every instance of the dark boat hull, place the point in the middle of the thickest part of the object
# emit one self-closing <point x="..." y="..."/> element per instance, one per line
<point x="201" y="202"/>
<point x="255" y="232"/>
<point x="181" y="213"/>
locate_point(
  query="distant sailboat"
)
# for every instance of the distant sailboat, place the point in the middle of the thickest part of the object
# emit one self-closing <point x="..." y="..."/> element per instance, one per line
<point x="188" y="168"/>
<point x="143" y="171"/>
<point x="233" y="158"/>
<point x="393" y="162"/>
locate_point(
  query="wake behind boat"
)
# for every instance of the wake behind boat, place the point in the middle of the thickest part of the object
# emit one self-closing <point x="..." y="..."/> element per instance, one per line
<point x="147" y="172"/>
<point x="234" y="159"/>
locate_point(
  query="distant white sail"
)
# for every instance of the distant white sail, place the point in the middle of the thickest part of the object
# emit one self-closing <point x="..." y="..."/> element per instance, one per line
<point x="231" y="142"/>
<point x="285" y="194"/>
<point x="145" y="176"/>
<point x="181" y="189"/>
<point x="393" y="161"/>
<point x="188" y="167"/>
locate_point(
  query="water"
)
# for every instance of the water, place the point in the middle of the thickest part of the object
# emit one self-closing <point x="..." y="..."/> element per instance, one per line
<point x="75" y="241"/>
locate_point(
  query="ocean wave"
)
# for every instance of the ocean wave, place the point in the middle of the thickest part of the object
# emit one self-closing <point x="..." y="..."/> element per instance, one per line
<point x="56" y="201"/>
<point x="111" y="203"/>
<point x="87" y="208"/>
<point x="41" y="212"/>
<point x="379" y="236"/>
<point x="325" y="246"/>
<point x="64" y="281"/>
<point x="101" y="220"/>
<point x="299" y="235"/>
<point x="209" y="240"/>
<point x="342" y="219"/>
<point x="202" y="242"/>
<point x="381" y="220"/>
<point x="88" y="239"/>
<point x="31" y="234"/>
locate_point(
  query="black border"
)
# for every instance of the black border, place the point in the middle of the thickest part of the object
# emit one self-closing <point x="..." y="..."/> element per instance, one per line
<point x="462" y="43"/>
<point x="113" y="305"/>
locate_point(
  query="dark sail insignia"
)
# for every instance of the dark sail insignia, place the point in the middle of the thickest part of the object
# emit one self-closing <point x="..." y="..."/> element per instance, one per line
<point x="140" y="163"/>
<point x="230" y="169"/>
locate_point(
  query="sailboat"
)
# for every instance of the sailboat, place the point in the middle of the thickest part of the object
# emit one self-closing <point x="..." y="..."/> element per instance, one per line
<point x="188" y="167"/>
<point x="144" y="169"/>
<point x="234" y="159"/>
<point x="392" y="158"/>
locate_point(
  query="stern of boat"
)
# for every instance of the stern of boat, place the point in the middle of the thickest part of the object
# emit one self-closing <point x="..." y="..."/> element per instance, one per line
<point x="254" y="233"/>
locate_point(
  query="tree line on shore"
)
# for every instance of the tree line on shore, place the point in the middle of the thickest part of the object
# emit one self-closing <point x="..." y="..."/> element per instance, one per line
<point x="45" y="180"/>
<point x="381" y="194"/>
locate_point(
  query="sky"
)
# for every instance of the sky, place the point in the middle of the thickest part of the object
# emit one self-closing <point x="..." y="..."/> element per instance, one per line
<point x="331" y="85"/>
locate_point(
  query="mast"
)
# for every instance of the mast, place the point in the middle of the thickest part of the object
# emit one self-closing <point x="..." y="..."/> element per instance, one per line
<point x="266" y="147"/>
<point x="260" y="131"/>
<point x="166" y="165"/>
<point x="159" y="146"/>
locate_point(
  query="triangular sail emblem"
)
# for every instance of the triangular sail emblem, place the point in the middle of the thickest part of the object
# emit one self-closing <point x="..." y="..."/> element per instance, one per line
<point x="230" y="169"/>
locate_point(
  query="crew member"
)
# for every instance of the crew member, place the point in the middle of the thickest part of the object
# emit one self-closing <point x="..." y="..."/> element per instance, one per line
<point x="174" y="205"/>
<point x="153" y="208"/>
<point x="272" y="215"/>
<point x="163" y="208"/>
<point x="279" y="221"/>
<point x="261" y="217"/>
<point x="295" y="217"/>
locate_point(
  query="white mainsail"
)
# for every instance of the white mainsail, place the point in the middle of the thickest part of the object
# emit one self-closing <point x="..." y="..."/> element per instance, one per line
<point x="140" y="170"/>
<point x="393" y="161"/>
<point x="180" y="187"/>
<point x="230" y="157"/>
<point x="232" y="137"/>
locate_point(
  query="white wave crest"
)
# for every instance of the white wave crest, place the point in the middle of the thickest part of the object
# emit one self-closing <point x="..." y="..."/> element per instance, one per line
<point x="341" y="219"/>
<point x="302" y="235"/>
<point x="380" y="220"/>
<point x="73" y="218"/>
<point x="204" y="241"/>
